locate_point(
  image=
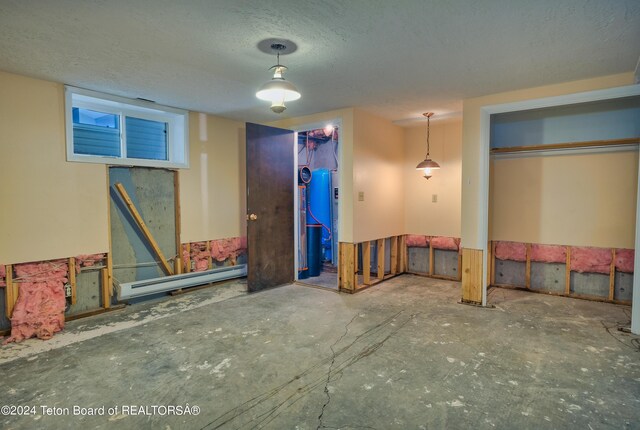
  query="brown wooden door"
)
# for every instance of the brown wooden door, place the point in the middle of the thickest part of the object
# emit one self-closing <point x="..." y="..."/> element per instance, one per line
<point x="270" y="186"/>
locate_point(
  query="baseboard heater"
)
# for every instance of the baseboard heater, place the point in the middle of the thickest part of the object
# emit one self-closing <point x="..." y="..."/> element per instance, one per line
<point x="135" y="289"/>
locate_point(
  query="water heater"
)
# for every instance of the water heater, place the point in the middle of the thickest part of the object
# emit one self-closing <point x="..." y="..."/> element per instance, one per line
<point x="319" y="208"/>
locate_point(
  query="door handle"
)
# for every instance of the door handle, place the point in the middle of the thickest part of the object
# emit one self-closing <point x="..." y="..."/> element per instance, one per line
<point x="252" y="217"/>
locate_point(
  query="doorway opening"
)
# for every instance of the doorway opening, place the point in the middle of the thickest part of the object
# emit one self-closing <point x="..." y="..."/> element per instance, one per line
<point x="317" y="197"/>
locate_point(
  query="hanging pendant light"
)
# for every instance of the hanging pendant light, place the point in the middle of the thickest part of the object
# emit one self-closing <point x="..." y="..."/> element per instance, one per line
<point x="427" y="165"/>
<point x="277" y="90"/>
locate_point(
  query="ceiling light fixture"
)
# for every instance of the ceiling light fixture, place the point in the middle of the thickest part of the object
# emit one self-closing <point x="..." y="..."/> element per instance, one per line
<point x="277" y="90"/>
<point x="427" y="165"/>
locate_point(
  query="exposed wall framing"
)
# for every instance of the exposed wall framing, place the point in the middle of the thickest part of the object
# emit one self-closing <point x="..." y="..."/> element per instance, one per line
<point x="355" y="263"/>
<point x="436" y="261"/>
<point x="10" y="291"/>
<point x="87" y="297"/>
<point x="570" y="277"/>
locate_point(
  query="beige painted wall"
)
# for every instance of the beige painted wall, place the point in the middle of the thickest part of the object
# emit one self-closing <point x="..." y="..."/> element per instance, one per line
<point x="213" y="189"/>
<point x="378" y="160"/>
<point x="56" y="209"/>
<point x="471" y="169"/>
<point x="345" y="155"/>
<point x="421" y="215"/>
<point x="582" y="200"/>
<point x="50" y="208"/>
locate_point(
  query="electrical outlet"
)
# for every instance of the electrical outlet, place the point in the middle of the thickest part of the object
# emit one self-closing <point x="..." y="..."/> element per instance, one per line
<point x="434" y="198"/>
<point x="193" y="265"/>
<point x="67" y="290"/>
<point x="361" y="196"/>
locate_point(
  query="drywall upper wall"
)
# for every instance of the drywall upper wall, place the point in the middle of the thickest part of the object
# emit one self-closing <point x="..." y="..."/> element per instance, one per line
<point x="51" y="208"/>
<point x="422" y="216"/>
<point x="213" y="189"/>
<point x="471" y="166"/>
<point x="57" y="209"/>
<point x="581" y="200"/>
<point x="378" y="160"/>
<point x="345" y="155"/>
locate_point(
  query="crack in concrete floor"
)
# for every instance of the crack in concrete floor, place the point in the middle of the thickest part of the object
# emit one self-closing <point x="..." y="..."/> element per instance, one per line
<point x="333" y="360"/>
<point x="373" y="338"/>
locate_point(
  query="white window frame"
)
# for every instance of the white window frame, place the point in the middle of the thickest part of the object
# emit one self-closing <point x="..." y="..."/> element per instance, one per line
<point x="177" y="127"/>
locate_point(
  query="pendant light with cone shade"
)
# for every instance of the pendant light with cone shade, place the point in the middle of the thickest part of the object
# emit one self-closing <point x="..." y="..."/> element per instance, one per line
<point x="277" y="90"/>
<point x="427" y="165"/>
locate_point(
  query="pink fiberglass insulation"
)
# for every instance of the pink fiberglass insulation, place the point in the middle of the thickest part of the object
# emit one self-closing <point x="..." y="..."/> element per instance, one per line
<point x="417" y="240"/>
<point x="200" y="256"/>
<point x="185" y="255"/>
<point x="441" y="242"/>
<point x="88" y="260"/>
<point x="593" y="260"/>
<point x="222" y="249"/>
<point x="39" y="310"/>
<point x="548" y="253"/>
<point x="624" y="260"/>
<point x="3" y="275"/>
<point x="514" y="251"/>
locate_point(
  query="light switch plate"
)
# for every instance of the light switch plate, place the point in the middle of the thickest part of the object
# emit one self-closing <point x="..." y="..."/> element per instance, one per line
<point x="361" y="196"/>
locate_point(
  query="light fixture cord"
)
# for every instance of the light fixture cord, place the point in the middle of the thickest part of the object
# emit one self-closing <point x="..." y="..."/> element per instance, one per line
<point x="428" y="127"/>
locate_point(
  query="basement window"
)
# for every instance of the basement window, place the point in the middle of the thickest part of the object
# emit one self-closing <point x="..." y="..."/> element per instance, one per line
<point x="113" y="130"/>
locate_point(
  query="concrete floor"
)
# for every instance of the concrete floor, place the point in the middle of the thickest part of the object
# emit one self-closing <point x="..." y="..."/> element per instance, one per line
<point x="400" y="355"/>
<point x="325" y="279"/>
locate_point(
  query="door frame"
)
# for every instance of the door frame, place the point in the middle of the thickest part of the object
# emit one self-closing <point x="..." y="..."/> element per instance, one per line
<point x="484" y="161"/>
<point x="296" y="221"/>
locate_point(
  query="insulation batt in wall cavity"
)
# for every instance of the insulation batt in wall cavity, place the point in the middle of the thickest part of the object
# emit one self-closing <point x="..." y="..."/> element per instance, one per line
<point x="219" y="250"/>
<point x="228" y="248"/>
<point x="199" y="254"/>
<point x="418" y="241"/>
<point x="441" y="242"/>
<point x="437" y="242"/>
<point x="583" y="259"/>
<point x="39" y="310"/>
<point x="88" y="260"/>
<point x="548" y="253"/>
<point x="513" y="251"/>
<point x="625" y="259"/>
<point x="593" y="260"/>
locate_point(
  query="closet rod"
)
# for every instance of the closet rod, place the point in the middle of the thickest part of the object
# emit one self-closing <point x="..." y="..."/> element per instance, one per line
<point x="569" y="145"/>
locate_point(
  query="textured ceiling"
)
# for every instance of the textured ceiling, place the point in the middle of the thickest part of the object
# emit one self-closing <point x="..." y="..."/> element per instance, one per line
<point x="395" y="58"/>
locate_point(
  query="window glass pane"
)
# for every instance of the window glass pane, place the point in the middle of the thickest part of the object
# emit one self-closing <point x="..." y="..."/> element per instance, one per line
<point x="96" y="133"/>
<point x="146" y="139"/>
